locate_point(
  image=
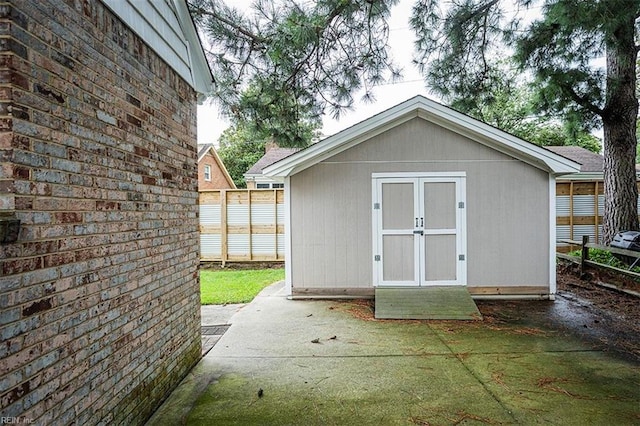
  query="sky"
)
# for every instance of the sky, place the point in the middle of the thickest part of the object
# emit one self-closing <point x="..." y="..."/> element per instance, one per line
<point x="211" y="125"/>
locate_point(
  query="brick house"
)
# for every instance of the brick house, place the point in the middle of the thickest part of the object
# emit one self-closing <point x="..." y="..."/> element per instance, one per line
<point x="212" y="174"/>
<point x="99" y="294"/>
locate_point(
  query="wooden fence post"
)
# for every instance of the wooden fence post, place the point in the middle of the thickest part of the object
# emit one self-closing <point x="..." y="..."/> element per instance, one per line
<point x="223" y="227"/>
<point x="585" y="253"/>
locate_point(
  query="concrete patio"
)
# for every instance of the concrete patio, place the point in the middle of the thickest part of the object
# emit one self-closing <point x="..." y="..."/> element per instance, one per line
<point x="286" y="362"/>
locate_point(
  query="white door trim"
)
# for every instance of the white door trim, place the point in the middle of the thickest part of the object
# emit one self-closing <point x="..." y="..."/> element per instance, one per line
<point x="379" y="233"/>
<point x="418" y="179"/>
<point x="419" y="175"/>
<point x="288" y="261"/>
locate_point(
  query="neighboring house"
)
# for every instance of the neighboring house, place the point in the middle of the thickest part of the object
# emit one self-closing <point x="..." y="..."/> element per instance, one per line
<point x="580" y="197"/>
<point x="99" y="296"/>
<point x="212" y="174"/>
<point x="254" y="177"/>
<point x="591" y="163"/>
<point x="417" y="196"/>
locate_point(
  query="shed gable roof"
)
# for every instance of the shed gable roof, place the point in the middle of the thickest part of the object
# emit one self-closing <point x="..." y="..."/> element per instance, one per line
<point x="436" y="113"/>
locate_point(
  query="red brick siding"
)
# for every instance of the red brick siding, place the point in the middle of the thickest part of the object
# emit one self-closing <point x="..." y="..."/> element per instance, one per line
<point x="99" y="298"/>
<point x="218" y="179"/>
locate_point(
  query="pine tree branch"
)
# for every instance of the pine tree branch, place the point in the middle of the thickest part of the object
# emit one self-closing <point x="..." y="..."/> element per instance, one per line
<point x="204" y="12"/>
<point x="482" y="10"/>
<point x="582" y="100"/>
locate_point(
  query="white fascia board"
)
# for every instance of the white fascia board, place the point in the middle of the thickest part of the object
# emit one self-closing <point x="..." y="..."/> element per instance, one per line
<point x="586" y="176"/>
<point x="582" y="176"/>
<point x="436" y="113"/>
<point x="497" y="139"/>
<point x="201" y="73"/>
<point x="552" y="237"/>
<point x="262" y="178"/>
<point x="288" y="250"/>
<point x="341" y="141"/>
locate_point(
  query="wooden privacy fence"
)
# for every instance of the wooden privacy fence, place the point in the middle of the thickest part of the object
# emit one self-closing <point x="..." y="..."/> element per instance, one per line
<point x="239" y="225"/>
<point x="579" y="210"/>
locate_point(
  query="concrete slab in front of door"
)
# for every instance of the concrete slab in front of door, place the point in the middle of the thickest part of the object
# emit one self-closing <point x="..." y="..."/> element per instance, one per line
<point x="432" y="302"/>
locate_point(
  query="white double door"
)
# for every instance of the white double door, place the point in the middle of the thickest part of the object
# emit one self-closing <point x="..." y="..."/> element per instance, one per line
<point x="419" y="226"/>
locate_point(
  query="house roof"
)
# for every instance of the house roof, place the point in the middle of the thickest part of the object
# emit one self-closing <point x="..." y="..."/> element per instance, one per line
<point x="210" y="149"/>
<point x="436" y="113"/>
<point x="167" y="27"/>
<point x="589" y="161"/>
<point x="271" y="156"/>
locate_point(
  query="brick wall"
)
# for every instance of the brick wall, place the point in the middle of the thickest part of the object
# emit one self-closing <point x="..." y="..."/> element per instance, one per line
<point x="218" y="179"/>
<point x="99" y="296"/>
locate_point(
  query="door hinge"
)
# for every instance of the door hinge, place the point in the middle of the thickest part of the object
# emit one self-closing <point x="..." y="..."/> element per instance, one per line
<point x="461" y="205"/>
<point x="376" y="206"/>
<point x="461" y="257"/>
<point x="376" y="258"/>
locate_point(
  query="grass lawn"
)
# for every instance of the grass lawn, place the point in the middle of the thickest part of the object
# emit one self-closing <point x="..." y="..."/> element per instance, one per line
<point x="235" y="286"/>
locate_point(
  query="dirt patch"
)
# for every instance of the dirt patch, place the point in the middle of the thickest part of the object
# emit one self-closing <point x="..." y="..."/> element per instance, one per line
<point x="591" y="286"/>
<point x="611" y="317"/>
<point x="604" y="318"/>
<point x="217" y="266"/>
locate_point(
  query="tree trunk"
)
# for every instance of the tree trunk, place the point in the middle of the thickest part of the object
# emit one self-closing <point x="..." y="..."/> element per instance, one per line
<point x="619" y="123"/>
<point x="620" y="190"/>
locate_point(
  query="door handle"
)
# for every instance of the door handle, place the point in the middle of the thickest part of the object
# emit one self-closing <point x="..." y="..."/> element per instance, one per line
<point x="418" y="232"/>
<point x="416" y="222"/>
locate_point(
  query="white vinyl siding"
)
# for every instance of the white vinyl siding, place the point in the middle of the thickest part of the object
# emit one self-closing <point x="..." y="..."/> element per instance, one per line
<point x="165" y="25"/>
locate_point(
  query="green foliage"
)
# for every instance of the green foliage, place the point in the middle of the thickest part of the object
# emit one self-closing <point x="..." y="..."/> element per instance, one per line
<point x="562" y="50"/>
<point x="285" y="63"/>
<point x="239" y="150"/>
<point x="605" y="257"/>
<point x="510" y="106"/>
<point x="265" y="114"/>
<point x="457" y="46"/>
<point x="235" y="286"/>
<point x="555" y="135"/>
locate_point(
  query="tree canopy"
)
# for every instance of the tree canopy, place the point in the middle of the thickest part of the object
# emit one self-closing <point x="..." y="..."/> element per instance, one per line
<point x="282" y="64"/>
<point x="285" y="63"/>
<point x="564" y="49"/>
<point x="510" y="105"/>
<point x="239" y="149"/>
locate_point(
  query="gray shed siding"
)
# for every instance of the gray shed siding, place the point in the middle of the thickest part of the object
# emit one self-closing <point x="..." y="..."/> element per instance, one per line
<point x="331" y="210"/>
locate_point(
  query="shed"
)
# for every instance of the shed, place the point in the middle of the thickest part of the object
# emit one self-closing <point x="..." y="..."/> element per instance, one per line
<point x="421" y="195"/>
